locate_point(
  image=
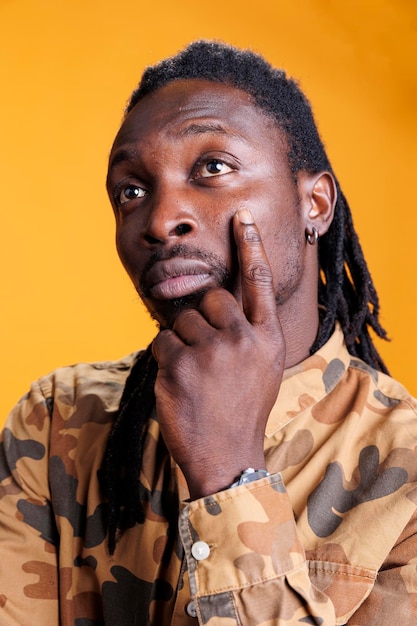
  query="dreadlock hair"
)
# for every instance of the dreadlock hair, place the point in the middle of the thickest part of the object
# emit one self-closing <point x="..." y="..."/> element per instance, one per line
<point x="346" y="291"/>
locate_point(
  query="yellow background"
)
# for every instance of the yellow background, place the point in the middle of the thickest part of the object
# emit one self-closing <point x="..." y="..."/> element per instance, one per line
<point x="67" y="68"/>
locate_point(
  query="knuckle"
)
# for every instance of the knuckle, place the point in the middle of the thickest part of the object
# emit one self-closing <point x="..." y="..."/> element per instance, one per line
<point x="164" y="347"/>
<point x="185" y="316"/>
<point x="157" y="344"/>
<point x="238" y="331"/>
<point x="258" y="273"/>
<point x="213" y="296"/>
<point x="185" y="364"/>
<point x="251" y="235"/>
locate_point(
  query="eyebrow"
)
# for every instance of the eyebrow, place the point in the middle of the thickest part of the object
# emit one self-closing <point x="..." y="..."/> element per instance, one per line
<point x="121" y="156"/>
<point x="208" y="127"/>
<point x="199" y="129"/>
<point x="192" y="130"/>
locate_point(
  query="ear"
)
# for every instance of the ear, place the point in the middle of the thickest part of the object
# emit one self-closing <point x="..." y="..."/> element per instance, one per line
<point x="318" y="196"/>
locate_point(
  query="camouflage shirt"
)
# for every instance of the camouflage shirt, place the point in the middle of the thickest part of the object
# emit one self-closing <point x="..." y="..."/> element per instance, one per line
<point x="327" y="539"/>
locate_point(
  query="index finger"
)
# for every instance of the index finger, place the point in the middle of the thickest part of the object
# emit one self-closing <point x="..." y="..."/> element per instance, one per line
<point x="258" y="297"/>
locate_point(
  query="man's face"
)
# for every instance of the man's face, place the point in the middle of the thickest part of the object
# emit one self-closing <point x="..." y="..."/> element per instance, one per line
<point x="186" y="158"/>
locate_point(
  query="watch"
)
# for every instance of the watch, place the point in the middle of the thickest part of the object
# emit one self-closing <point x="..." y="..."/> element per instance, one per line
<point x="249" y="475"/>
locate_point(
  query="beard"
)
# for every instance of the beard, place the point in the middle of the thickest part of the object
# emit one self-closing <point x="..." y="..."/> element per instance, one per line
<point x="165" y="312"/>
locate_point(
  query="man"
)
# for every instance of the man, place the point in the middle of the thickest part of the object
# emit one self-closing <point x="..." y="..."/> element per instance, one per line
<point x="247" y="468"/>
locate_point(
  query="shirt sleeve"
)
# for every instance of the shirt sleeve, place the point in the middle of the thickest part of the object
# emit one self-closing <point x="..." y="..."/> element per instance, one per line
<point x="28" y="564"/>
<point x="246" y="563"/>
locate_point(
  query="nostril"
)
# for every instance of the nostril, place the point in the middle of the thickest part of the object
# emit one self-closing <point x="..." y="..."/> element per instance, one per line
<point x="182" y="229"/>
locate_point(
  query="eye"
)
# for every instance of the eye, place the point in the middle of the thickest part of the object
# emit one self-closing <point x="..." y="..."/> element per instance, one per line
<point x="129" y="192"/>
<point x="214" y="167"/>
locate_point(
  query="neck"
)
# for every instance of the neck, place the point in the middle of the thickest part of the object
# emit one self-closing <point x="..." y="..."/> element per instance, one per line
<point x="300" y="330"/>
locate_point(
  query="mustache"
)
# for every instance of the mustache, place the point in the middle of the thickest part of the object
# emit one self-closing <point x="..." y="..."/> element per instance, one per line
<point x="218" y="267"/>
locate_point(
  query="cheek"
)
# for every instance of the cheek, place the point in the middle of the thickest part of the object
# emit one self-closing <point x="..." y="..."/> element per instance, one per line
<point x="283" y="238"/>
<point x="127" y="249"/>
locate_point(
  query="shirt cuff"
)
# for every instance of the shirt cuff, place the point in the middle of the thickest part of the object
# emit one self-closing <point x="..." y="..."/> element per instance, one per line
<point x="240" y="537"/>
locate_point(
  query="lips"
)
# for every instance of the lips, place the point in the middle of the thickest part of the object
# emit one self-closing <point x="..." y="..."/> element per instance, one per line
<point x="176" y="278"/>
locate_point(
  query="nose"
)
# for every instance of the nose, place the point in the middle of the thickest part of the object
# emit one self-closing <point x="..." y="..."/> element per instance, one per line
<point x="170" y="217"/>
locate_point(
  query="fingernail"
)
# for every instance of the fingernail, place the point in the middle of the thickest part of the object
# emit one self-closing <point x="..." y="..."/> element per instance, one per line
<point x="245" y="216"/>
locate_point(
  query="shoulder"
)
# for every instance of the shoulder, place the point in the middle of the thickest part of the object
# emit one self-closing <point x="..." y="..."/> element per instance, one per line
<point x="356" y="384"/>
<point x="101" y="382"/>
<point x="68" y="397"/>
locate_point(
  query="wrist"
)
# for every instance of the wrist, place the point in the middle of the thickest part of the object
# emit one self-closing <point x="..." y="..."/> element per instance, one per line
<point x="215" y="479"/>
<point x="214" y="474"/>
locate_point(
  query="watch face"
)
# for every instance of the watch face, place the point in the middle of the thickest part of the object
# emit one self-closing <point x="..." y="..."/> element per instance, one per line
<point x="250" y="475"/>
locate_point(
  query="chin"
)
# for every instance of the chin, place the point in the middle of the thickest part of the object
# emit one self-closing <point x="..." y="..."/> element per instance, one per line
<point x="165" y="312"/>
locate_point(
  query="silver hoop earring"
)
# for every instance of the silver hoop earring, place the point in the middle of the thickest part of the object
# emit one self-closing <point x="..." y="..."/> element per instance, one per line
<point x="313" y="237"/>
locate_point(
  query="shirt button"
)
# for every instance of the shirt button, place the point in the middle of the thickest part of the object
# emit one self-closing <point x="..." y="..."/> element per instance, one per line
<point x="191" y="609"/>
<point x="200" y="550"/>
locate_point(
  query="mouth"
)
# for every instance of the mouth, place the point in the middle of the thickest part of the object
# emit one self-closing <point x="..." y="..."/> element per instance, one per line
<point x="178" y="277"/>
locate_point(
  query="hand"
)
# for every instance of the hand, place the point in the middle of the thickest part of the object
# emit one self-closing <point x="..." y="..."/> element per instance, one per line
<point x="220" y="370"/>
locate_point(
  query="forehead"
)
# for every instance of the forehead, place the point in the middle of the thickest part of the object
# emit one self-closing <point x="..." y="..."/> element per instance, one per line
<point x="184" y="108"/>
